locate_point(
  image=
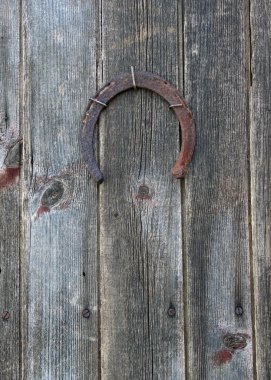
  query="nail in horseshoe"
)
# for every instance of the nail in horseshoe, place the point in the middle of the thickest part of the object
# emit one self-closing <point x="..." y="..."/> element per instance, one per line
<point x="126" y="82"/>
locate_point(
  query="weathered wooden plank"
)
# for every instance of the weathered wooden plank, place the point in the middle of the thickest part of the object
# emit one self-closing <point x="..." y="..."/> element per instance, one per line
<point x="140" y="203"/>
<point x="261" y="180"/>
<point x="216" y="204"/>
<point x="9" y="190"/>
<point x="60" y="209"/>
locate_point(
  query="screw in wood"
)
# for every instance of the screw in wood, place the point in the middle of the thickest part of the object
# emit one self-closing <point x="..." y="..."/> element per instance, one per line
<point x="171" y="312"/>
<point x="86" y="313"/>
<point x="239" y="311"/>
<point x="5" y="315"/>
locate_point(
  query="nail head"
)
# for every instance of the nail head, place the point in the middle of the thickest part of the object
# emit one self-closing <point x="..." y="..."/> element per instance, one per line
<point x="171" y="312"/>
<point x="239" y="311"/>
<point x="5" y="315"/>
<point x="86" y="313"/>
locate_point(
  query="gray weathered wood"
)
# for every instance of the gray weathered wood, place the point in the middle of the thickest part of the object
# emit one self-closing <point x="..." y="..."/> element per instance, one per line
<point x="123" y="248"/>
<point x="216" y="190"/>
<point x="9" y="191"/>
<point x="140" y="202"/>
<point x="261" y="180"/>
<point x="60" y="256"/>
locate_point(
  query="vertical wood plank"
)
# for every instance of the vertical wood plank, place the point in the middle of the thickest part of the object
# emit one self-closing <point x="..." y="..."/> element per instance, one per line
<point x="9" y="190"/>
<point x="60" y="262"/>
<point x="140" y="202"/>
<point x="261" y="180"/>
<point x="216" y="204"/>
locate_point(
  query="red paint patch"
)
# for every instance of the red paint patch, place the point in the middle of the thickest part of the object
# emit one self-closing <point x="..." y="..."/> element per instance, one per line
<point x="8" y="176"/>
<point x="42" y="210"/>
<point x="222" y="357"/>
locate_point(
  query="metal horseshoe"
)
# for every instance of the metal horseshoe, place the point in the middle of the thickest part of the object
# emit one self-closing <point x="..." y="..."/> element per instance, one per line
<point x="126" y="82"/>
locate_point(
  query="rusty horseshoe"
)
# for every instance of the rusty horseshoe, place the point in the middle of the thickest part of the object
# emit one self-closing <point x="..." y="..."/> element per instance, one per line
<point x="123" y="83"/>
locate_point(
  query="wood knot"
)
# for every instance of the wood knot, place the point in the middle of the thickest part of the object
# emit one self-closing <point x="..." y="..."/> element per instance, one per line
<point x="143" y="193"/>
<point x="53" y="194"/>
<point x="232" y="342"/>
<point x="235" y="341"/>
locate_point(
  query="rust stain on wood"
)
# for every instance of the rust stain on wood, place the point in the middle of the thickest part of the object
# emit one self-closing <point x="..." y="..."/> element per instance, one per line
<point x="233" y="342"/>
<point x="42" y="210"/>
<point x="8" y="176"/>
<point x="222" y="357"/>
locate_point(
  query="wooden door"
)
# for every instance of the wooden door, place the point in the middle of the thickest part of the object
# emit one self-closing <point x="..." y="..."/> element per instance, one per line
<point x="144" y="276"/>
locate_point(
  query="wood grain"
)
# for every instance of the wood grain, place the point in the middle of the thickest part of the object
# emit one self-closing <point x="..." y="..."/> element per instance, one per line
<point x="140" y="202"/>
<point x="261" y="180"/>
<point x="216" y="191"/>
<point x="9" y="191"/>
<point x="60" y="200"/>
<point x="146" y="277"/>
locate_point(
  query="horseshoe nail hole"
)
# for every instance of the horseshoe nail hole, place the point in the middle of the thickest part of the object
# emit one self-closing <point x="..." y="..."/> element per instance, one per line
<point x="84" y="274"/>
<point x="116" y="214"/>
<point x="53" y="194"/>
